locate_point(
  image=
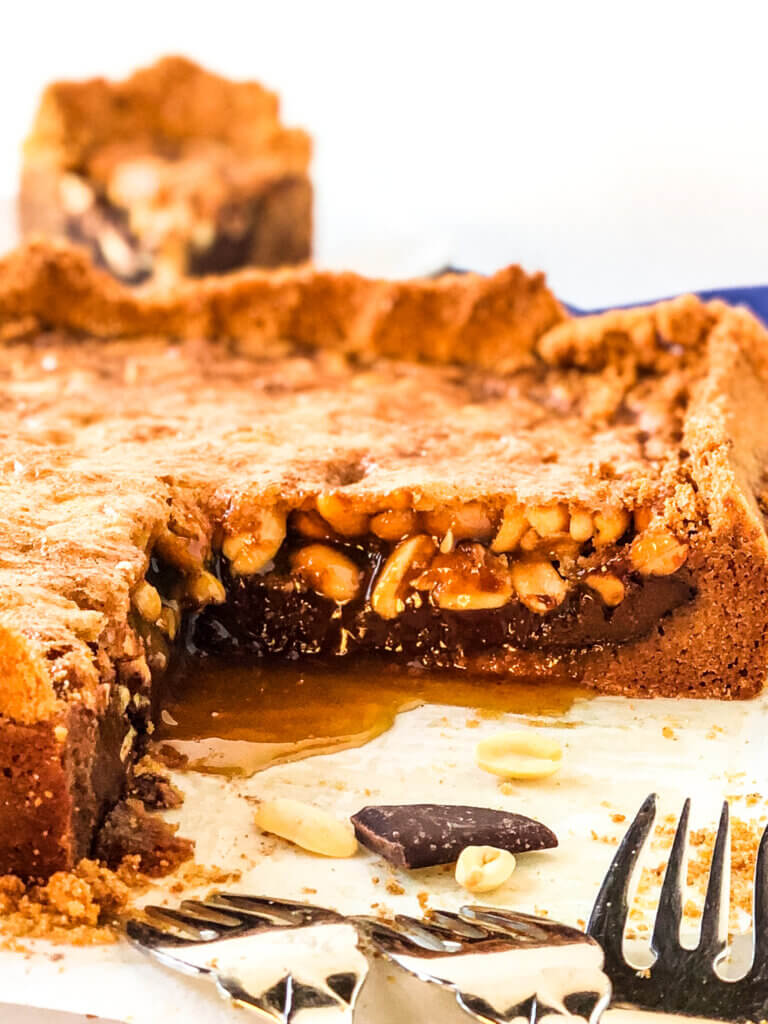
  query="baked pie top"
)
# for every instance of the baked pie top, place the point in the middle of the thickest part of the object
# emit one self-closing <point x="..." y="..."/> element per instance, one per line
<point x="133" y="422"/>
<point x="173" y="109"/>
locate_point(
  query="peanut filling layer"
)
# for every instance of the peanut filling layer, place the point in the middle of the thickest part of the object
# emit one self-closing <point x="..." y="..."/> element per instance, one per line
<point x="134" y="239"/>
<point x="437" y="586"/>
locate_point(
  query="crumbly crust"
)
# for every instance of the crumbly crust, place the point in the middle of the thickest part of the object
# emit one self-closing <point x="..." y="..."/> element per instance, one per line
<point x="89" y="125"/>
<point x="133" y="423"/>
<point x="173" y="170"/>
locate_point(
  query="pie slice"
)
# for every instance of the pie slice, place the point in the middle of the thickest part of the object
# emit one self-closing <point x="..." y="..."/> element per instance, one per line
<point x="446" y="473"/>
<point x="173" y="171"/>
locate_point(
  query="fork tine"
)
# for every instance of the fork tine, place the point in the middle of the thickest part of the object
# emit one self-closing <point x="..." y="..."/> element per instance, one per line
<point x="425" y="933"/>
<point x="270" y="910"/>
<point x="711" y="938"/>
<point x="199" y="908"/>
<point x="759" y="969"/>
<point x="609" y="914"/>
<point x="665" y="940"/>
<point x="392" y="937"/>
<point x="150" y="937"/>
<point x="201" y="929"/>
<point x="455" y="925"/>
<point x="526" y="928"/>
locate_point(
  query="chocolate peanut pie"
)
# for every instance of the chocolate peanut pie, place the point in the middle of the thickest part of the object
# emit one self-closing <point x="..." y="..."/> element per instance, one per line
<point x="173" y="171"/>
<point x="299" y="464"/>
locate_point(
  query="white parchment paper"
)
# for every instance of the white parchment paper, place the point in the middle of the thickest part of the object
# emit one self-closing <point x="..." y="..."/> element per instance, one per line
<point x="616" y="752"/>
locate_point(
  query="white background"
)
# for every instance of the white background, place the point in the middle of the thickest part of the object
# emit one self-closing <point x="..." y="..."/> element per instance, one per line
<point x="623" y="147"/>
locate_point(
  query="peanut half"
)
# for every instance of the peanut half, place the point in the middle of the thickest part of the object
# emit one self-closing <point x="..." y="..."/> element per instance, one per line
<point x="483" y="868"/>
<point x="327" y="571"/>
<point x="250" y="552"/>
<point x="409" y="558"/>
<point x="146" y="600"/>
<point x="657" y="553"/>
<point x="341" y="515"/>
<point x="307" y="826"/>
<point x="513" y="526"/>
<point x="538" y="585"/>
<point x="519" y="755"/>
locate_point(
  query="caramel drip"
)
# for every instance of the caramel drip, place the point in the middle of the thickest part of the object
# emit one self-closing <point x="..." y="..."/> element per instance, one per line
<point x="237" y="718"/>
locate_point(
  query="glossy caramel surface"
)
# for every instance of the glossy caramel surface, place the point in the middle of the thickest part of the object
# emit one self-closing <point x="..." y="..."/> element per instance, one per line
<point x="238" y="717"/>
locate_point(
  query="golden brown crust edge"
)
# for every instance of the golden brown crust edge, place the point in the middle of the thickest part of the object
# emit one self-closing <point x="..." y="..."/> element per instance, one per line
<point x="45" y="285"/>
<point x="173" y="100"/>
<point x="489" y="322"/>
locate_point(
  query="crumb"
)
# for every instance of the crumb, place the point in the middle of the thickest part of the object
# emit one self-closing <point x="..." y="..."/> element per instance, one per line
<point x="668" y="733"/>
<point x="753" y="798"/>
<point x="171" y="758"/>
<point x="149" y="783"/>
<point x="394" y="887"/>
<point x="375" y="879"/>
<point x="129" y="829"/>
<point x="745" y="839"/>
<point x="608" y="840"/>
<point x="618" y="818"/>
<point x="79" y="907"/>
<point x="581" y="923"/>
<point x="423" y="898"/>
<point x="194" y="874"/>
<point x="472" y="723"/>
<point x="507" y="788"/>
<point x="309" y="890"/>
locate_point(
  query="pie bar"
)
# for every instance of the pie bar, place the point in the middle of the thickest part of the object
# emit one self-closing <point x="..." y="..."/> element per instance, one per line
<point x="173" y="171"/>
<point x="447" y="473"/>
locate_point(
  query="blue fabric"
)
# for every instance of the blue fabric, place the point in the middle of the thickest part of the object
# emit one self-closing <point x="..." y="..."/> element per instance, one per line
<point x="755" y="297"/>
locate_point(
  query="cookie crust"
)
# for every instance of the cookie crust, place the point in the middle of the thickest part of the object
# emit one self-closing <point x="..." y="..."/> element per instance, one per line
<point x="166" y="427"/>
<point x="172" y="171"/>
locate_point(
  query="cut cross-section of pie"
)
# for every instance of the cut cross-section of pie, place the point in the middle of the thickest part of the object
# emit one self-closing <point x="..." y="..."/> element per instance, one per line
<point x="173" y="171"/>
<point x="448" y="473"/>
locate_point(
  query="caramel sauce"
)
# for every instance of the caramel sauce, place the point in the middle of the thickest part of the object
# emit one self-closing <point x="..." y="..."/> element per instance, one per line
<point x="236" y="718"/>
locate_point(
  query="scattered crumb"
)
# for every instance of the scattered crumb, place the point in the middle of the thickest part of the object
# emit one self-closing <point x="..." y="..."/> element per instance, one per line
<point x="150" y="784"/>
<point x="423" y="898"/>
<point x="375" y="879"/>
<point x="668" y="733"/>
<point x="608" y="840"/>
<point x="79" y="907"/>
<point x="507" y="788"/>
<point x="581" y="923"/>
<point x="170" y="757"/>
<point x="745" y="839"/>
<point x="130" y="830"/>
<point x="309" y="890"/>
<point x="472" y="723"/>
<point x="394" y="887"/>
<point x="618" y="818"/>
<point x="194" y="874"/>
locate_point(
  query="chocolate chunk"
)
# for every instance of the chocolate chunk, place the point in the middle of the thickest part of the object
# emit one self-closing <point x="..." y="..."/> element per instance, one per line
<point x="422" y="835"/>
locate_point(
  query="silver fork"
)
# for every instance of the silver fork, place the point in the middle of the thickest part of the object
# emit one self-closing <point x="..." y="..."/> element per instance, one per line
<point x="682" y="979"/>
<point x="530" y="967"/>
<point x="275" y="957"/>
